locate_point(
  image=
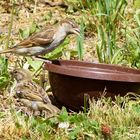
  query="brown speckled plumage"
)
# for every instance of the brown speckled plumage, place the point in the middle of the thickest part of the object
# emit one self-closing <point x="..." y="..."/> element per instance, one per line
<point x="45" y="40"/>
<point x="31" y="94"/>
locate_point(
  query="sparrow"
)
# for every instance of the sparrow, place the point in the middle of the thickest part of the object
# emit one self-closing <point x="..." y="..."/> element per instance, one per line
<point x="45" y="40"/>
<point x="50" y="109"/>
<point x="53" y="3"/>
<point x="26" y="88"/>
<point x="31" y="95"/>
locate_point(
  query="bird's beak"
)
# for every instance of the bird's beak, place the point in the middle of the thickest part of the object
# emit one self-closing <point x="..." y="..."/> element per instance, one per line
<point x="75" y="31"/>
<point x="11" y="75"/>
<point x="11" y="72"/>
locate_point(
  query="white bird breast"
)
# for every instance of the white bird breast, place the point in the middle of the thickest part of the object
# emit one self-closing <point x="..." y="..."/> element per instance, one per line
<point x="59" y="35"/>
<point x="30" y="51"/>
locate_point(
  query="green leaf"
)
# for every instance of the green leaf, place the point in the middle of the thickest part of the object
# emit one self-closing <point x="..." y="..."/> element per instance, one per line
<point x="63" y="115"/>
<point x="4" y="74"/>
<point x="33" y="28"/>
<point x="34" y="64"/>
<point x="24" y="33"/>
<point x="80" y="41"/>
<point x="74" y="133"/>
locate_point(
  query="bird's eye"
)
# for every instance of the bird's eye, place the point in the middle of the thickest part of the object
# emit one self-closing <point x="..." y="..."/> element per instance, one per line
<point x="15" y="71"/>
<point x="73" y="25"/>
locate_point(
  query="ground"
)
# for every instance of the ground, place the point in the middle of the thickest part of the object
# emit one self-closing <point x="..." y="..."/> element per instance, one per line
<point x="106" y="119"/>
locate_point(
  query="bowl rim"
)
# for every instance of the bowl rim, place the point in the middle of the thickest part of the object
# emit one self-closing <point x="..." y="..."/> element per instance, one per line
<point x="109" y="72"/>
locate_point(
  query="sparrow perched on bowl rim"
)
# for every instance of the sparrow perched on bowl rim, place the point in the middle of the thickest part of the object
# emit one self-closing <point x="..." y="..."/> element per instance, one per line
<point x="46" y="40"/>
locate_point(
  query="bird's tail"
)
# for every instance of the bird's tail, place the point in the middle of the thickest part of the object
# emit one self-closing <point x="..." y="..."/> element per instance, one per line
<point x="6" y="51"/>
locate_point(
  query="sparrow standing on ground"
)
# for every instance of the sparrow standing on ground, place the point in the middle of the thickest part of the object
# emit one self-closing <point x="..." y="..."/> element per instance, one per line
<point x="26" y="88"/>
<point x="31" y="94"/>
<point x="48" y="110"/>
<point x="45" y="41"/>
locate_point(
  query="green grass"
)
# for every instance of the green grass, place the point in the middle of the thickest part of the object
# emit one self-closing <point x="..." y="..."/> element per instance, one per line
<point x="121" y="122"/>
<point x="80" y="41"/>
<point x="117" y="32"/>
<point x="4" y="74"/>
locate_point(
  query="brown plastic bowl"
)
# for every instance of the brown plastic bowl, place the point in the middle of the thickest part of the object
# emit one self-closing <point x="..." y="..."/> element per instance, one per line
<point x="70" y="80"/>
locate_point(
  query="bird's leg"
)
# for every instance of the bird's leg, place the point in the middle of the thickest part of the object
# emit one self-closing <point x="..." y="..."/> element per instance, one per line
<point x="41" y="59"/>
<point x="42" y="76"/>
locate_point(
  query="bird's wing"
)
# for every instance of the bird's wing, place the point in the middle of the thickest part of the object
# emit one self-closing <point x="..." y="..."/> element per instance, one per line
<point x="53" y="110"/>
<point x="31" y="91"/>
<point x="27" y="91"/>
<point x="42" y="92"/>
<point x="40" y="38"/>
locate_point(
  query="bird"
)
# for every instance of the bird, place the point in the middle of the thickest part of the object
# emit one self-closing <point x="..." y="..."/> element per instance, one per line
<point x="49" y="109"/>
<point x="30" y="94"/>
<point x="46" y="40"/>
<point x="26" y="88"/>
